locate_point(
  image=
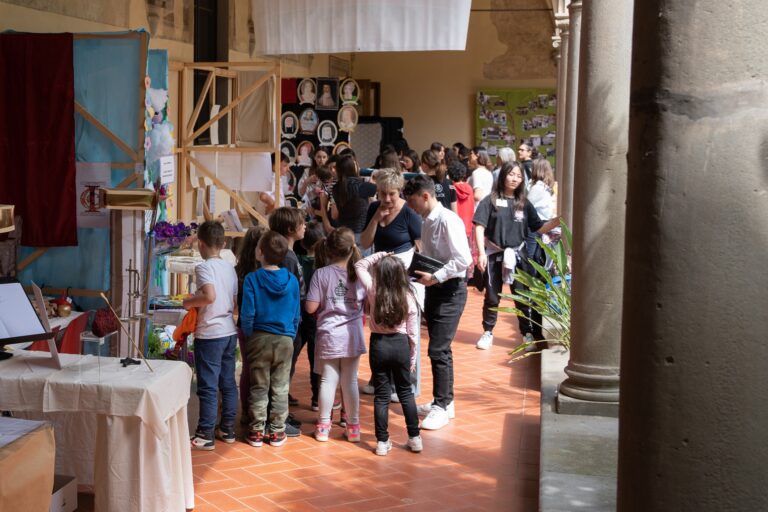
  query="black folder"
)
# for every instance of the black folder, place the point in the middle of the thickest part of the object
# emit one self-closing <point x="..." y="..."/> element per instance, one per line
<point x="424" y="264"/>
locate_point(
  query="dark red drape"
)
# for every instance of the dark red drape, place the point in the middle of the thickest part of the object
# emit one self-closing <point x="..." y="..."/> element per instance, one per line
<point x="37" y="136"/>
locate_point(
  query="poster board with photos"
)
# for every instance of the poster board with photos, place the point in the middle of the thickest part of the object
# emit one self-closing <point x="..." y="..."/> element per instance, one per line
<point x="509" y="117"/>
<point x="310" y="117"/>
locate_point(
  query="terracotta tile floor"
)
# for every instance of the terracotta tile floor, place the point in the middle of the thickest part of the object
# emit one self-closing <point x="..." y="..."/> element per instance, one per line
<point x="486" y="459"/>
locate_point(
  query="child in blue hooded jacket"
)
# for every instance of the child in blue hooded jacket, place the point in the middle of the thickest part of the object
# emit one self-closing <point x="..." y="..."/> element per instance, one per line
<point x="269" y="318"/>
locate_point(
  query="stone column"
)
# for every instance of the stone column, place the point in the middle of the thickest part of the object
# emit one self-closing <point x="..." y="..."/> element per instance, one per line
<point x="599" y="208"/>
<point x="561" y="43"/>
<point x="694" y="354"/>
<point x="565" y="181"/>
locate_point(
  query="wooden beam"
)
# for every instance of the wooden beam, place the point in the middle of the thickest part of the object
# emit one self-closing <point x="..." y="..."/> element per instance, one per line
<point x="78" y="292"/>
<point x="110" y="135"/>
<point x="129" y="35"/>
<point x="253" y="65"/>
<point x="199" y="104"/>
<point x="259" y="148"/>
<point x="226" y="110"/>
<point x="31" y="258"/>
<point x="123" y="165"/>
<point x="181" y="172"/>
<point x="242" y="202"/>
<point x="128" y="181"/>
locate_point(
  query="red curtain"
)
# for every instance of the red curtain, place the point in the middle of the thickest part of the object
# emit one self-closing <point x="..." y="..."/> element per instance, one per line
<point x="37" y="136"/>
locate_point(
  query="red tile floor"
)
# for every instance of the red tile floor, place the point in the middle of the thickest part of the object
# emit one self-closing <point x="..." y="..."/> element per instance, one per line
<point x="486" y="459"/>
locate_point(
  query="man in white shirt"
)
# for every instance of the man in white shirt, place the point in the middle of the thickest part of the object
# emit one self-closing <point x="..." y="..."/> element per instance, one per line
<point x="443" y="238"/>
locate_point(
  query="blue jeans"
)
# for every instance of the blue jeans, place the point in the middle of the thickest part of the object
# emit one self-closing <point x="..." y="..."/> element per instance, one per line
<point x="215" y="365"/>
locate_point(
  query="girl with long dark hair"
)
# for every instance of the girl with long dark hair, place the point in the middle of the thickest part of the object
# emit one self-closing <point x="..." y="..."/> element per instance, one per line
<point x="502" y="222"/>
<point x="336" y="297"/>
<point x="394" y="326"/>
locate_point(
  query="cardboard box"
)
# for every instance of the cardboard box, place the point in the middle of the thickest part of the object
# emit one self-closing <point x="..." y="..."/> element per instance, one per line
<point x="64" y="498"/>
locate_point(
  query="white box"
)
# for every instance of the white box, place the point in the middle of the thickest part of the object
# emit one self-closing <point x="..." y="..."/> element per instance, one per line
<point x="64" y="498"/>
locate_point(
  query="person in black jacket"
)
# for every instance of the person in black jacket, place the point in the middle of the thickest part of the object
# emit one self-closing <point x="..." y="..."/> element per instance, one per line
<point x="502" y="222"/>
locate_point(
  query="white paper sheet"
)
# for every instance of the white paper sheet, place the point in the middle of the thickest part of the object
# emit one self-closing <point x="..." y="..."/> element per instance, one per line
<point x="167" y="169"/>
<point x="229" y="169"/>
<point x="257" y="172"/>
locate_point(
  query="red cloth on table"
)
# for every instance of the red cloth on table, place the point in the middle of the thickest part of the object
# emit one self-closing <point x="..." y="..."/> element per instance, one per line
<point x="37" y="136"/>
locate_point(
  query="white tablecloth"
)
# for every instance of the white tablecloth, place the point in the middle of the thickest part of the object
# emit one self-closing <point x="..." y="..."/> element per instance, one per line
<point x="124" y="430"/>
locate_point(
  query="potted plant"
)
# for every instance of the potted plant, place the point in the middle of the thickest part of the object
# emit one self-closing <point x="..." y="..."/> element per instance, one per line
<point x="549" y="294"/>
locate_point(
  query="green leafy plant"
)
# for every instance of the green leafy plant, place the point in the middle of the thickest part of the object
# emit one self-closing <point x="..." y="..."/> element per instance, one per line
<point x="549" y="295"/>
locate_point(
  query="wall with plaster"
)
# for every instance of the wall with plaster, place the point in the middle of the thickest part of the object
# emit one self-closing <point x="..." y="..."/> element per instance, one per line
<point x="434" y="91"/>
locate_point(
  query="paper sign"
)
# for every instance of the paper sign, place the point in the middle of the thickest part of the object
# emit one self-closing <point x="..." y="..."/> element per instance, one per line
<point x="167" y="169"/>
<point x="214" y="130"/>
<point x="257" y="172"/>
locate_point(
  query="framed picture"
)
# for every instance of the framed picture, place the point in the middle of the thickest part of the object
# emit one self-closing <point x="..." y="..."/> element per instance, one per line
<point x="307" y="90"/>
<point x="341" y="146"/>
<point x="289" y="150"/>
<point x="327" y="94"/>
<point x="304" y="154"/>
<point x="350" y="92"/>
<point x="308" y="121"/>
<point x="347" y="118"/>
<point x="338" y="67"/>
<point x="327" y="133"/>
<point x="289" y="125"/>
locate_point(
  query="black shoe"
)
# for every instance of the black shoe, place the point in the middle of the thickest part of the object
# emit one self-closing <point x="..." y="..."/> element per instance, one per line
<point x="291" y="420"/>
<point x="228" y="436"/>
<point x="291" y="431"/>
<point x="292" y="400"/>
<point x="277" y="438"/>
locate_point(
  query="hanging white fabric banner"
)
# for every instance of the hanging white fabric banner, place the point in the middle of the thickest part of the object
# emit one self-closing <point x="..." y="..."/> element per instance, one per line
<point x="284" y="27"/>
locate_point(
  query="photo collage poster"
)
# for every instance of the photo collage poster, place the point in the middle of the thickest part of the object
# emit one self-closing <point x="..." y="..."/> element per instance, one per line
<point x="316" y="112"/>
<point x="509" y="117"/>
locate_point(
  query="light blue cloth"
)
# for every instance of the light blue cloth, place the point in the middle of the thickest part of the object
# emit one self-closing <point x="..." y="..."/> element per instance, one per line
<point x="107" y="77"/>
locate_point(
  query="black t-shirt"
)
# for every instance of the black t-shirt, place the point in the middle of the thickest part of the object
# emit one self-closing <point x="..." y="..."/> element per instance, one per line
<point x="352" y="214"/>
<point x="504" y="226"/>
<point x="444" y="192"/>
<point x="400" y="234"/>
<point x="528" y="168"/>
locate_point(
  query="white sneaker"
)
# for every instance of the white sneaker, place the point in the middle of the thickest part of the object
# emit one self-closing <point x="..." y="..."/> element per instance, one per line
<point x="383" y="447"/>
<point x="394" y="398"/>
<point x="485" y="341"/>
<point x="414" y="444"/>
<point x="436" y="419"/>
<point x="367" y="389"/>
<point x="425" y="409"/>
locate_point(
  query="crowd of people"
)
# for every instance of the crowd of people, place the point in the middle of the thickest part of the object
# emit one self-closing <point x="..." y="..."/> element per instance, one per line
<point x="392" y="250"/>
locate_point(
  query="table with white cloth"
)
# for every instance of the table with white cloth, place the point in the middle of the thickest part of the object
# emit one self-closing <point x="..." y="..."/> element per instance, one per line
<point x="122" y="430"/>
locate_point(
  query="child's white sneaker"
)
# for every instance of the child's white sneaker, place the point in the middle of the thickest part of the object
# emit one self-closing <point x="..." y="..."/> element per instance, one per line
<point x="414" y="444"/>
<point x="383" y="447"/>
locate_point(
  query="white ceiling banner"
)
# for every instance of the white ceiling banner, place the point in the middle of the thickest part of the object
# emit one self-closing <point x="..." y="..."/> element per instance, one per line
<point x="288" y="27"/>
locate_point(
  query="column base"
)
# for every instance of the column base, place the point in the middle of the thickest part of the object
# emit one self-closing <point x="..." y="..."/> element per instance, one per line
<point x="575" y="406"/>
<point x="586" y="388"/>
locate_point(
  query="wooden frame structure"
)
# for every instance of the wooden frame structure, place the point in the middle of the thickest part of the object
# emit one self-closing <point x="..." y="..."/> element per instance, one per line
<point x="187" y="133"/>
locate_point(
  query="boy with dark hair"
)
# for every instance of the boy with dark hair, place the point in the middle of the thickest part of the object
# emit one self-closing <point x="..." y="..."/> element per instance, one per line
<point x="215" y="338"/>
<point x="270" y="332"/>
<point x="290" y="223"/>
<point x="443" y="237"/>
